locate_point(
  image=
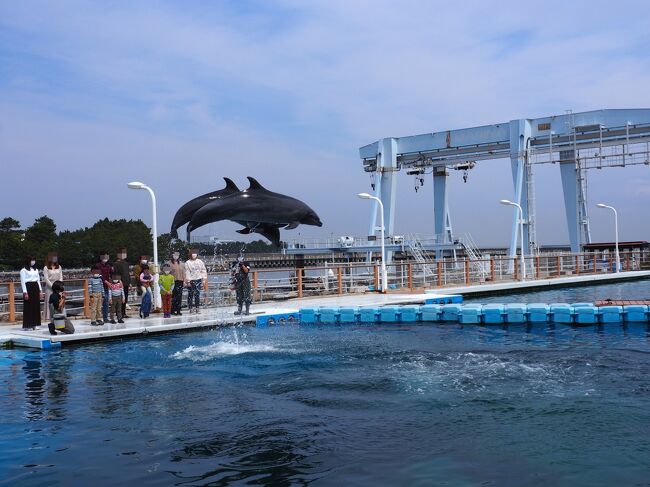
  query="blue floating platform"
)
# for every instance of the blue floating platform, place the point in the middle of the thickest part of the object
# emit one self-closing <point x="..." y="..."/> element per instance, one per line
<point x="636" y="313"/>
<point x="469" y="314"/>
<point x="409" y="313"/>
<point x="368" y="315"/>
<point x="515" y="312"/>
<point x="611" y="314"/>
<point x="493" y="314"/>
<point x="430" y="312"/>
<point x="561" y="313"/>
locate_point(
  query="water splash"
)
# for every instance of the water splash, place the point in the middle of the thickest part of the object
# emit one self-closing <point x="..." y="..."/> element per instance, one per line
<point x="220" y="349"/>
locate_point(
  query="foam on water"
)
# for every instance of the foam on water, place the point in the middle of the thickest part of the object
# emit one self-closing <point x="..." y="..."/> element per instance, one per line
<point x="220" y="349"/>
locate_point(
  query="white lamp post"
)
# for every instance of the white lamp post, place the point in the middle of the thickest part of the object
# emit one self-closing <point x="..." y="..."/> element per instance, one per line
<point x="521" y="231"/>
<point x="384" y="275"/>
<point x="618" y="258"/>
<point x="156" y="289"/>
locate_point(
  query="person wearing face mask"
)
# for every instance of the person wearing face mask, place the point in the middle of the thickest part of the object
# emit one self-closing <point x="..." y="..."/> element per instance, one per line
<point x="115" y="298"/>
<point x="30" y="282"/>
<point x="106" y="270"/>
<point x="122" y="270"/>
<point x="195" y="275"/>
<point x="178" y="271"/>
<point x="166" y="282"/>
<point x="96" y="291"/>
<point x="137" y="271"/>
<point x="52" y="272"/>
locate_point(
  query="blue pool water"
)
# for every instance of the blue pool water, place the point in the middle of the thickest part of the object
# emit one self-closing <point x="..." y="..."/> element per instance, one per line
<point x="412" y="405"/>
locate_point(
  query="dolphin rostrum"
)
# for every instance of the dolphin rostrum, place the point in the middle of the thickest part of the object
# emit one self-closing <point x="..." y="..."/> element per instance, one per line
<point x="185" y="212"/>
<point x="259" y="209"/>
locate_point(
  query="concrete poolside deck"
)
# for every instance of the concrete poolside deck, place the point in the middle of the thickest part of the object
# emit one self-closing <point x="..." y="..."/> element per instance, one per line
<point x="12" y="334"/>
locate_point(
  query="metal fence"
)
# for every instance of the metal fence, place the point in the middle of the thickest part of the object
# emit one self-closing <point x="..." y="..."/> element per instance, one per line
<point x="342" y="279"/>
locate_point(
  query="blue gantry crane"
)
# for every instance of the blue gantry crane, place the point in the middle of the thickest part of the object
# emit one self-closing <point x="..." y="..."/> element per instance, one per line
<point x="575" y="141"/>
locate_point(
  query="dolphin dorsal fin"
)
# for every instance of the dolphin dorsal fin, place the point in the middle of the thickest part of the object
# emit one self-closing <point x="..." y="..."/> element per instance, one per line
<point x="254" y="184"/>
<point x="230" y="184"/>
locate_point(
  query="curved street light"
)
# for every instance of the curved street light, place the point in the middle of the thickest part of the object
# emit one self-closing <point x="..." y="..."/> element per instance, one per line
<point x="521" y="231"/>
<point x="384" y="275"/>
<point x="156" y="292"/>
<point x="618" y="258"/>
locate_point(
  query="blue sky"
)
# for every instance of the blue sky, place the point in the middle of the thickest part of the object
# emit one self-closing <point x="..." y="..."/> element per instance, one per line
<point x="179" y="94"/>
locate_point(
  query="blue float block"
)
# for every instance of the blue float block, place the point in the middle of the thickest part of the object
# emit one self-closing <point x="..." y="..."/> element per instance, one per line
<point x="585" y="315"/>
<point x="493" y="313"/>
<point x="409" y="313"/>
<point x="450" y="312"/>
<point x="348" y="315"/>
<point x="445" y="299"/>
<point x="328" y="315"/>
<point x="561" y="313"/>
<point x="368" y="315"/>
<point x="636" y="313"/>
<point x="515" y="312"/>
<point x="277" y="319"/>
<point x="389" y="314"/>
<point x="611" y="314"/>
<point x="538" y="312"/>
<point x="470" y="314"/>
<point x="581" y="305"/>
<point x="430" y="312"/>
<point x="309" y="315"/>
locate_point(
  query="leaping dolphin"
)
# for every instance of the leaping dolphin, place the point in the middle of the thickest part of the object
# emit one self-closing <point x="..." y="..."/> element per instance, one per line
<point x="185" y="212"/>
<point x="259" y="209"/>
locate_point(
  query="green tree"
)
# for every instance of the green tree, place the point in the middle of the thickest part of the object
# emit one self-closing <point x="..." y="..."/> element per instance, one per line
<point x="40" y="238"/>
<point x="11" y="244"/>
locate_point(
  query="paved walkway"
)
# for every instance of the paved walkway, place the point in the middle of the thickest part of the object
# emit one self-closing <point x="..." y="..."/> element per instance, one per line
<point x="41" y="338"/>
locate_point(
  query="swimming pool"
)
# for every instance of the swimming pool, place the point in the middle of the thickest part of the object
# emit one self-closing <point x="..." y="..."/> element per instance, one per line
<point x="418" y="404"/>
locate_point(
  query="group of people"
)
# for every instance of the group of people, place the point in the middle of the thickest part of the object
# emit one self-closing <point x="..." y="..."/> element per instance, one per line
<point x="109" y="285"/>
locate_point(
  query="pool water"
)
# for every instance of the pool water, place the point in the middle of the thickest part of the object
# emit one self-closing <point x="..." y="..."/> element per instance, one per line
<point x="390" y="404"/>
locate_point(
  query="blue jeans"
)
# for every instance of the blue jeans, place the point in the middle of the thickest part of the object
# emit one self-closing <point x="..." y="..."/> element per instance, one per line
<point x="194" y="293"/>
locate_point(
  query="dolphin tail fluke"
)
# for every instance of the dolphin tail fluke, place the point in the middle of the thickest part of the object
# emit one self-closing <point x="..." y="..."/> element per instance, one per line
<point x="273" y="235"/>
<point x="292" y="225"/>
<point x="174" y="232"/>
<point x="244" y="231"/>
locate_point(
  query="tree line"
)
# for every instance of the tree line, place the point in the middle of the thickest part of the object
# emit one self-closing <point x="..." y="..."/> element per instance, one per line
<point x="81" y="248"/>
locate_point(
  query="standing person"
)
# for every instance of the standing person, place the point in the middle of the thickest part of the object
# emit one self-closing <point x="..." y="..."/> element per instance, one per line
<point x="146" y="279"/>
<point x="137" y="270"/>
<point x="242" y="286"/>
<point x="30" y="282"/>
<point x="56" y="304"/>
<point x="52" y="272"/>
<point x="178" y="271"/>
<point x="166" y="282"/>
<point x="195" y="275"/>
<point x="96" y="292"/>
<point x="106" y="270"/>
<point x="122" y="270"/>
<point x="115" y="298"/>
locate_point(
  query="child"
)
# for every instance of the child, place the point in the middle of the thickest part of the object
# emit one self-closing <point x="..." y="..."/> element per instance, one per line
<point x="59" y="320"/>
<point x="115" y="298"/>
<point x="145" y="281"/>
<point x="96" y="292"/>
<point x="166" y="282"/>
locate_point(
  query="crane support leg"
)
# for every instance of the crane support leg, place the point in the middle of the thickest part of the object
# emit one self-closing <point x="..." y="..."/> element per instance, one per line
<point x="519" y="135"/>
<point x="575" y="200"/>
<point x="442" y="222"/>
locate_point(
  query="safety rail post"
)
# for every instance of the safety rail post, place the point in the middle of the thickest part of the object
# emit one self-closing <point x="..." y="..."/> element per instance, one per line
<point x="594" y="259"/>
<point x="299" y="283"/>
<point x="439" y="272"/>
<point x="537" y="267"/>
<point x="516" y="261"/>
<point x="375" y="277"/>
<point x="410" y="276"/>
<point x="627" y="261"/>
<point x="339" y="280"/>
<point x="86" y="299"/>
<point x="577" y="263"/>
<point x="492" y="270"/>
<point x="255" y="291"/>
<point x="466" y="268"/>
<point x="557" y="263"/>
<point x="12" y="301"/>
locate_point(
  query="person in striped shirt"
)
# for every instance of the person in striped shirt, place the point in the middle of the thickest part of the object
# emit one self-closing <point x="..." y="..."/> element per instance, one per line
<point x="115" y="298"/>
